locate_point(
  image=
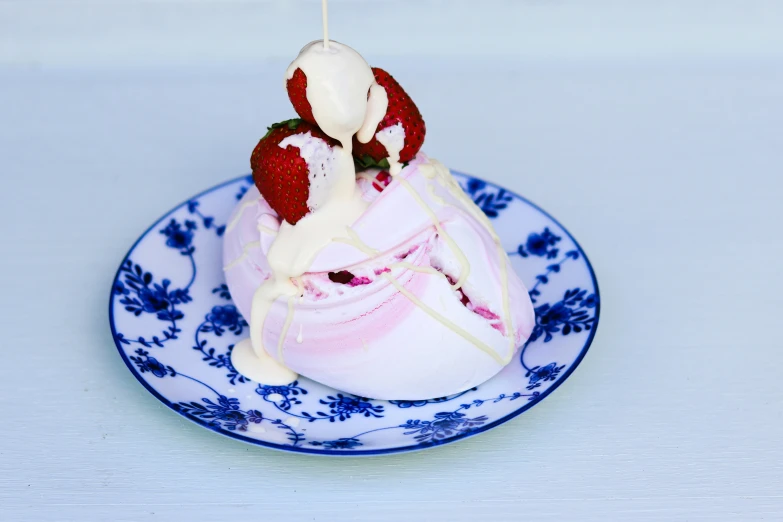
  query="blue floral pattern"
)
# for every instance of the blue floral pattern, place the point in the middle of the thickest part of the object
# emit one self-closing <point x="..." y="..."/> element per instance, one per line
<point x="223" y="318"/>
<point x="180" y="238"/>
<point x="227" y="414"/>
<point x="443" y="426"/>
<point x="244" y="187"/>
<point x="222" y="291"/>
<point x="219" y="320"/>
<point x="283" y="397"/>
<point x="339" y="444"/>
<point x="341" y="407"/>
<point x="574" y="313"/>
<point x="540" y="374"/>
<point x="491" y="200"/>
<point x="206" y="221"/>
<point x="139" y="294"/>
<point x="145" y="363"/>
<point x="419" y="404"/>
<point x="150" y="313"/>
<point x="540" y="244"/>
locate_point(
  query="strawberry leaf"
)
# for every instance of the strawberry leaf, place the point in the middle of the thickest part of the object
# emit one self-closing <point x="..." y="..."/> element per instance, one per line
<point x="292" y="124"/>
<point x="366" y="162"/>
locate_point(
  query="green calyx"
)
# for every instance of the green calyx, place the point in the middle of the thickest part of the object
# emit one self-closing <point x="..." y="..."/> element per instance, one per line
<point x="366" y="162"/>
<point x="292" y="124"/>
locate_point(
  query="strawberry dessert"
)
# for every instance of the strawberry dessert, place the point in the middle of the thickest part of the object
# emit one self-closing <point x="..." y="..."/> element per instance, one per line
<point x="358" y="261"/>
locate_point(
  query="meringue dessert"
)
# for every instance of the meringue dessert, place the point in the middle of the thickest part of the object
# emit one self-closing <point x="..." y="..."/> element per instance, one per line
<point x="358" y="261"/>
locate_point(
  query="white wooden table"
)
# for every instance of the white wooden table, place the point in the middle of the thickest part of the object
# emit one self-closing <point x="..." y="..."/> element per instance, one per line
<point x="652" y="131"/>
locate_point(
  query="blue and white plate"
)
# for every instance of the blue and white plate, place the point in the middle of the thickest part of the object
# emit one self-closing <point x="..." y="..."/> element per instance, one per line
<point x="175" y="325"/>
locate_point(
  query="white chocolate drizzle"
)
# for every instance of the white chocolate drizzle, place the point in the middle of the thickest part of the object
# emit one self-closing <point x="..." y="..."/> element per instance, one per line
<point x="260" y="368"/>
<point x="245" y="251"/>
<point x="377" y="103"/>
<point x="238" y="216"/>
<point x="417" y="268"/>
<point x="367" y="176"/>
<point x="438" y="171"/>
<point x="339" y="91"/>
<point x="288" y="318"/>
<point x="355" y="241"/>
<point x="437" y="199"/>
<point x="456" y="250"/>
<point x="267" y="230"/>
<point x="447" y="323"/>
<point x="393" y="140"/>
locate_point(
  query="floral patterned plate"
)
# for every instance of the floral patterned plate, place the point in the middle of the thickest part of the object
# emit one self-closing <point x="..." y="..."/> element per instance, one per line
<point x="174" y="325"/>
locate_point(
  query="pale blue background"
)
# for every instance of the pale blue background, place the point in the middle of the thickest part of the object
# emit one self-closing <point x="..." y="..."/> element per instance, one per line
<point x="651" y="129"/>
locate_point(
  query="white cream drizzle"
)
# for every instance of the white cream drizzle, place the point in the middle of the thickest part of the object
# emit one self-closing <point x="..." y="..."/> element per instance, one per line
<point x="293" y="250"/>
<point x="260" y="368"/>
<point x="436" y="170"/>
<point x="245" y="252"/>
<point x="432" y="271"/>
<point x="367" y="176"/>
<point x="393" y="140"/>
<point x="325" y="20"/>
<point x="300" y="288"/>
<point x="238" y="216"/>
<point x="417" y="268"/>
<point x="288" y="318"/>
<point x="433" y="313"/>
<point x="430" y="188"/>
<point x="456" y="250"/>
<point x="444" y="321"/>
<point x="355" y="241"/>
<point x="338" y="83"/>
<point x="377" y="103"/>
<point x="267" y="230"/>
<point x="439" y="173"/>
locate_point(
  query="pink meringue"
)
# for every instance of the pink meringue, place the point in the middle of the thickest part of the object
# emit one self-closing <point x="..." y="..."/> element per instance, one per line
<point x="427" y="304"/>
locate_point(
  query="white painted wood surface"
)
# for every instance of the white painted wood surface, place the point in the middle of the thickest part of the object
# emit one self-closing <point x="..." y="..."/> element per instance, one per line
<point x="658" y="149"/>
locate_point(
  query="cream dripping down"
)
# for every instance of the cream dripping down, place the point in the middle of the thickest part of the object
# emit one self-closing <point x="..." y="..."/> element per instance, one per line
<point x="345" y="100"/>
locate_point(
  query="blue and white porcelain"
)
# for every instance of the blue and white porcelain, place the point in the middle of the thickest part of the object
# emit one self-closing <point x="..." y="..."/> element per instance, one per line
<point x="175" y="325"/>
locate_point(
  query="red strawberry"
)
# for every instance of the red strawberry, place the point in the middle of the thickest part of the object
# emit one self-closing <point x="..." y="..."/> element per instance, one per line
<point x="297" y="93"/>
<point x="401" y="109"/>
<point x="281" y="174"/>
<point x="382" y="181"/>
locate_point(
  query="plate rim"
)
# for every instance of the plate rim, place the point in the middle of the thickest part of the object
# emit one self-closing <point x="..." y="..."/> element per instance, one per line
<point x="369" y="452"/>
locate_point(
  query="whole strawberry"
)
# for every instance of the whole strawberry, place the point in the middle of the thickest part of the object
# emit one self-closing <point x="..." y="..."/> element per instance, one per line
<point x="297" y="93"/>
<point x="282" y="175"/>
<point x="401" y="110"/>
